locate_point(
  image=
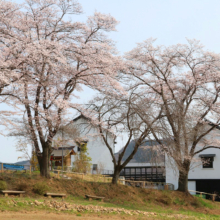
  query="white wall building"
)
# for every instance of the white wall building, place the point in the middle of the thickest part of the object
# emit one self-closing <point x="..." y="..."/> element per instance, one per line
<point x="202" y="177"/>
<point x="98" y="151"/>
<point x="198" y="170"/>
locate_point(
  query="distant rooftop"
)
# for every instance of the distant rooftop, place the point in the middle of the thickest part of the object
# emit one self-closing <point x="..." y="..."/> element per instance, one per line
<point x="24" y="162"/>
<point x="144" y="154"/>
<point x="57" y="152"/>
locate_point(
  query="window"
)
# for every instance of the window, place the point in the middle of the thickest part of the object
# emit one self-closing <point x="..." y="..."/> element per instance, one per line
<point x="207" y="160"/>
<point x="127" y="171"/>
<point x="78" y="149"/>
<point x="149" y="173"/>
<point x="138" y="171"/>
<point x="143" y="171"/>
<point x="154" y="173"/>
<point x="159" y="172"/>
<point x="94" y="166"/>
<point x="132" y="170"/>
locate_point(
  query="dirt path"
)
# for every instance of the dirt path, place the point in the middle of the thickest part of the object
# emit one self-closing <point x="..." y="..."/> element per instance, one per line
<point x="60" y="216"/>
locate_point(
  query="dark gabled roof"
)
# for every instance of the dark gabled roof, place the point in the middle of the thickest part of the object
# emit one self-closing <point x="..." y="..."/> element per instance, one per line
<point x="81" y="116"/>
<point x="144" y="154"/>
<point x="207" y="155"/>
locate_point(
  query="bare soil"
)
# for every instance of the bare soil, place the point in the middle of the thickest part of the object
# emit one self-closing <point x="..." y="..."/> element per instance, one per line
<point x="59" y="216"/>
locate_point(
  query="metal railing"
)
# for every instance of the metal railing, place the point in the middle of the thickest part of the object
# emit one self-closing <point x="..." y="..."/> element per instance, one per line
<point x="148" y="185"/>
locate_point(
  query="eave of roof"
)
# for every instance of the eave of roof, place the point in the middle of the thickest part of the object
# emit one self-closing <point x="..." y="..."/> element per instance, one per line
<point x="64" y="152"/>
<point x="81" y="116"/>
<point x="64" y="148"/>
<point x="207" y="155"/>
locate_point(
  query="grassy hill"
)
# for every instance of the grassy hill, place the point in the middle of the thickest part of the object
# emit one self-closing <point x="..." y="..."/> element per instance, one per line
<point x="120" y="196"/>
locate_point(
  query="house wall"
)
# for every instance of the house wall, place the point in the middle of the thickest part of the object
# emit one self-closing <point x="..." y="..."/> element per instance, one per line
<point x="144" y="165"/>
<point x="96" y="147"/>
<point x="171" y="172"/>
<point x="197" y="172"/>
<point x="192" y="186"/>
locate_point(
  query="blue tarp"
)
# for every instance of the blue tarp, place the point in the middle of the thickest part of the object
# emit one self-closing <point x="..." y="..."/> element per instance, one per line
<point x="13" y="167"/>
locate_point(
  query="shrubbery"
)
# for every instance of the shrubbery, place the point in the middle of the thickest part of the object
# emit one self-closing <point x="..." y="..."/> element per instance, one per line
<point x="82" y="162"/>
<point x="41" y="188"/>
<point x="3" y="185"/>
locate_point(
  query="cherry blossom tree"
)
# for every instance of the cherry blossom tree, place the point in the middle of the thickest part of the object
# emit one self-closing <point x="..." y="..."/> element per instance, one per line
<point x="55" y="56"/>
<point x="9" y="58"/>
<point x="185" y="79"/>
<point x="117" y="116"/>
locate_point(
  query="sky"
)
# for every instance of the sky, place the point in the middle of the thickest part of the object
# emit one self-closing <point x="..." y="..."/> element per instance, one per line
<point x="169" y="21"/>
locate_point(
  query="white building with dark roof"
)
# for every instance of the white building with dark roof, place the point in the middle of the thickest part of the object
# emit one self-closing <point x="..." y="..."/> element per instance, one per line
<point x="97" y="150"/>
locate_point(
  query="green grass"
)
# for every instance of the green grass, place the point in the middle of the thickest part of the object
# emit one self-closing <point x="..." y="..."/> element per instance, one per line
<point x="178" y="201"/>
<point x="206" y="204"/>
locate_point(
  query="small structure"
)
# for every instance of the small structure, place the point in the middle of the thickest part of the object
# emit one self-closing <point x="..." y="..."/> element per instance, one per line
<point x="67" y="152"/>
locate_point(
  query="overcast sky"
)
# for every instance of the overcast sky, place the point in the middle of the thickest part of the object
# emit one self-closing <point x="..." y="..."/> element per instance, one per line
<point x="170" y="21"/>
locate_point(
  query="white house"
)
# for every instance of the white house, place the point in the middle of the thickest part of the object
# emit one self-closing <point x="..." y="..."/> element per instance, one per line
<point x="203" y="177"/>
<point x="101" y="157"/>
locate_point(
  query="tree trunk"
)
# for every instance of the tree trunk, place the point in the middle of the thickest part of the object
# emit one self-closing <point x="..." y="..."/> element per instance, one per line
<point x="116" y="174"/>
<point x="183" y="177"/>
<point x="43" y="160"/>
<point x="183" y="182"/>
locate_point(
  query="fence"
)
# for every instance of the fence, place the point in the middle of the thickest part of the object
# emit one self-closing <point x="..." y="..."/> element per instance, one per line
<point x="92" y="171"/>
<point x="148" y="185"/>
<point x="107" y="178"/>
<point x="148" y="173"/>
<point x="213" y="196"/>
<point x="83" y="176"/>
<point x="102" y="171"/>
<point x="6" y="167"/>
